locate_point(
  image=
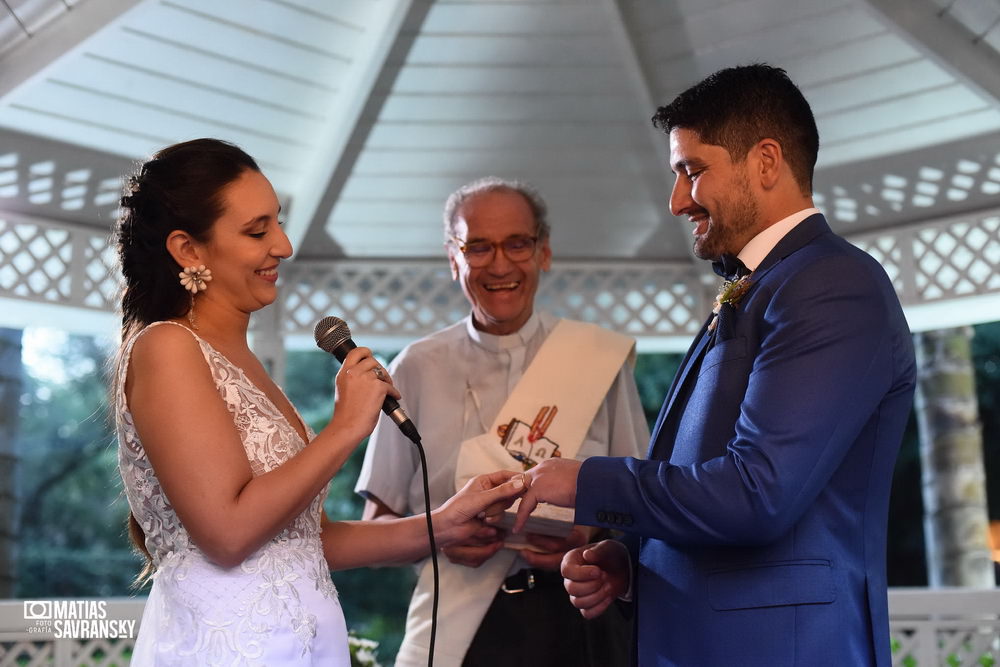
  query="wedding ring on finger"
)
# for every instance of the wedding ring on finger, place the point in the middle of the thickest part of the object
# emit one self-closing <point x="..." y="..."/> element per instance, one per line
<point x="379" y="373"/>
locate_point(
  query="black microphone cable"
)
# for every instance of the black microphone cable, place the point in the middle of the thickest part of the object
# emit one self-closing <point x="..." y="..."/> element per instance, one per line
<point x="434" y="556"/>
<point x="334" y="336"/>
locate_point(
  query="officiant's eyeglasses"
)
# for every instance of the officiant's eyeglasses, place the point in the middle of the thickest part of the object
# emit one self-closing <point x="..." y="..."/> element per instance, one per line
<point x="480" y="253"/>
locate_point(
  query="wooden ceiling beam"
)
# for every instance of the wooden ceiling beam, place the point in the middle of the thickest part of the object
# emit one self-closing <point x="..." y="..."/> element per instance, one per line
<point x="392" y="34"/>
<point x="940" y="37"/>
<point x="56" y="39"/>
<point x="659" y="175"/>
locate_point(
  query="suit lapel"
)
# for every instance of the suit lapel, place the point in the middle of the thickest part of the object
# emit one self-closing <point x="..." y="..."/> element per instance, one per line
<point x="690" y="361"/>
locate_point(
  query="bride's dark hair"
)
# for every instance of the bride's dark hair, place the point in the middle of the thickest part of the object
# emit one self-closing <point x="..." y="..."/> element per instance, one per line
<point x="180" y="188"/>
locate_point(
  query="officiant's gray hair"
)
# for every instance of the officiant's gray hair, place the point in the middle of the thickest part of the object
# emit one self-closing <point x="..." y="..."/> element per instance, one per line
<point x="495" y="184"/>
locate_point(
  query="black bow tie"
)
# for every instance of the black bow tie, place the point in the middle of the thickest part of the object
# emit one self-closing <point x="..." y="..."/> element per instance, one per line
<point x="730" y="267"/>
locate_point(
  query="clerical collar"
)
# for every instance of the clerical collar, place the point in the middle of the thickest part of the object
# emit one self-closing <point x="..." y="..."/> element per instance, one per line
<point x="756" y="250"/>
<point x="516" y="339"/>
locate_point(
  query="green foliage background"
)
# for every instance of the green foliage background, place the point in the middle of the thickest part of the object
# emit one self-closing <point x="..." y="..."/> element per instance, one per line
<point x="72" y="541"/>
<point x="72" y="512"/>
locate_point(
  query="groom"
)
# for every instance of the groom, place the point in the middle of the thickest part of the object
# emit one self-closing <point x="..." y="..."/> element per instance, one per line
<point x="756" y="530"/>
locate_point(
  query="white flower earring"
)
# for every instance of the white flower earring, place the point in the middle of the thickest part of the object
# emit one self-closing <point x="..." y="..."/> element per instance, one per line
<point x="194" y="279"/>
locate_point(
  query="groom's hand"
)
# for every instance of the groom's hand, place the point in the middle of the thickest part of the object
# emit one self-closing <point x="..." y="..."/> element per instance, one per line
<point x="551" y="481"/>
<point x="596" y="575"/>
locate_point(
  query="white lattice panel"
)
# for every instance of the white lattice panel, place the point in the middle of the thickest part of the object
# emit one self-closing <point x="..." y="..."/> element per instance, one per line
<point x="636" y="299"/>
<point x="952" y="258"/>
<point x="40" y="177"/>
<point x="414" y="299"/>
<point x="887" y="250"/>
<point x="934" y="183"/>
<point x="35" y="261"/>
<point x="396" y="298"/>
<point x="55" y="263"/>
<point x="959" y="259"/>
<point x="100" y="282"/>
<point x="60" y="264"/>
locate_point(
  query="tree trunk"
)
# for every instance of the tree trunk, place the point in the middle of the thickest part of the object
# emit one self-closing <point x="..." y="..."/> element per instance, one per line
<point x="10" y="402"/>
<point x="951" y="447"/>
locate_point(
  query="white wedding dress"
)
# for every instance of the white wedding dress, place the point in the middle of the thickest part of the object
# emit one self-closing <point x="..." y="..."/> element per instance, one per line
<point x="279" y="607"/>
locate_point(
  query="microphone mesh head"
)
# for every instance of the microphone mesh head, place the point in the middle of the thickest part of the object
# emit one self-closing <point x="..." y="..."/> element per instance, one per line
<point x="331" y="332"/>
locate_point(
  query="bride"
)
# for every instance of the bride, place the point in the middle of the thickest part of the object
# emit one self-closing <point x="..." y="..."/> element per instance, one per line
<point x="224" y="479"/>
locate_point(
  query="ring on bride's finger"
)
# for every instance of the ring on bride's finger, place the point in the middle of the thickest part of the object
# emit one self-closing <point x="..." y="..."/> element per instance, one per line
<point x="379" y="373"/>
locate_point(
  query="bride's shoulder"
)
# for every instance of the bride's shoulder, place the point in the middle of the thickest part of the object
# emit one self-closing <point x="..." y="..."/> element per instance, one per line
<point x="164" y="356"/>
<point x="164" y="342"/>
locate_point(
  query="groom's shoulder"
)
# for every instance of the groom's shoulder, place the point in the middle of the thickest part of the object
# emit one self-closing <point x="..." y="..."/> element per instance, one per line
<point x="830" y="253"/>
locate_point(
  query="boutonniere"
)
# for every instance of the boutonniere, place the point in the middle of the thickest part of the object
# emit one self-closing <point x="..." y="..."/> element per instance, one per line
<point x="731" y="292"/>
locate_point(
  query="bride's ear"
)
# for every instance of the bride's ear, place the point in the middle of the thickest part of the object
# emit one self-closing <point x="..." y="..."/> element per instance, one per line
<point x="183" y="248"/>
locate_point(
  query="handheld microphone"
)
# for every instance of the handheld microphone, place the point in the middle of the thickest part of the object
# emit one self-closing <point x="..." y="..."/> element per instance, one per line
<point x="334" y="336"/>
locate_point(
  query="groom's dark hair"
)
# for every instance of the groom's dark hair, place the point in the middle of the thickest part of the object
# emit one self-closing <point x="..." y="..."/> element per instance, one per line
<point x="738" y="106"/>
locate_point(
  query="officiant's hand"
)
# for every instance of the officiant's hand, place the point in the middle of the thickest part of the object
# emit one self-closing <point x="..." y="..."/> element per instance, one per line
<point x="552" y="549"/>
<point x="551" y="481"/>
<point x="596" y="575"/>
<point x="478" y="549"/>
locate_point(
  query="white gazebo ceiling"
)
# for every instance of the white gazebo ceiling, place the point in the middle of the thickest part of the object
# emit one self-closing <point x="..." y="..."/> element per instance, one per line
<point x="367" y="113"/>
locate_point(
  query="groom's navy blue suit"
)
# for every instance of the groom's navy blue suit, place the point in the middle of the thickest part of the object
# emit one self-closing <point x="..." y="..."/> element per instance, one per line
<point x="760" y="518"/>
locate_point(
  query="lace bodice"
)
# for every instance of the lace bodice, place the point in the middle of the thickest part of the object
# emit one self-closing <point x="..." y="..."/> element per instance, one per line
<point x="279" y="606"/>
<point x="268" y="438"/>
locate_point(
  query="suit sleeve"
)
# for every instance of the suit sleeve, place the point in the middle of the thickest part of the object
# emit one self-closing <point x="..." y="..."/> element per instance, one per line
<point x="823" y="365"/>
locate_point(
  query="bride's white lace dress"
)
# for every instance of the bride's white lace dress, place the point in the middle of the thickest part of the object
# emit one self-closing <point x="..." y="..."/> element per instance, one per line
<point x="279" y="607"/>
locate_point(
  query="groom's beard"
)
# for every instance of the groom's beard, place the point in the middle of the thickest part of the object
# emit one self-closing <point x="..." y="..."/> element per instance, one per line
<point x="730" y="224"/>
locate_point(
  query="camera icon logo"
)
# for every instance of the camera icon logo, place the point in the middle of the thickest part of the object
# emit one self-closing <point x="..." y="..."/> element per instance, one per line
<point x="38" y="610"/>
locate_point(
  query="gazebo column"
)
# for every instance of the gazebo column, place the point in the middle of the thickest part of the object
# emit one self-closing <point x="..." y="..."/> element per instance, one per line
<point x="954" y="479"/>
<point x="10" y="402"/>
<point x="268" y="340"/>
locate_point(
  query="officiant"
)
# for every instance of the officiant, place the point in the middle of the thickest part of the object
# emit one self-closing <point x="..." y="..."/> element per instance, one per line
<point x="506" y="387"/>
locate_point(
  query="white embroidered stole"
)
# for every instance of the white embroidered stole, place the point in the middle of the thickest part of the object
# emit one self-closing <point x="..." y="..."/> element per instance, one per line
<point x="548" y="414"/>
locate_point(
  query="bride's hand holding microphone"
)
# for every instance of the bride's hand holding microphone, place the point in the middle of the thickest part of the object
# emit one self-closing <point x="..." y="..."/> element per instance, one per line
<point x="360" y="388"/>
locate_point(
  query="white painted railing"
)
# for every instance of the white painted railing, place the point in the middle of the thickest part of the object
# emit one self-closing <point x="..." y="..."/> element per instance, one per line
<point x="34" y="633"/>
<point x="936" y="628"/>
<point x="945" y="627"/>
